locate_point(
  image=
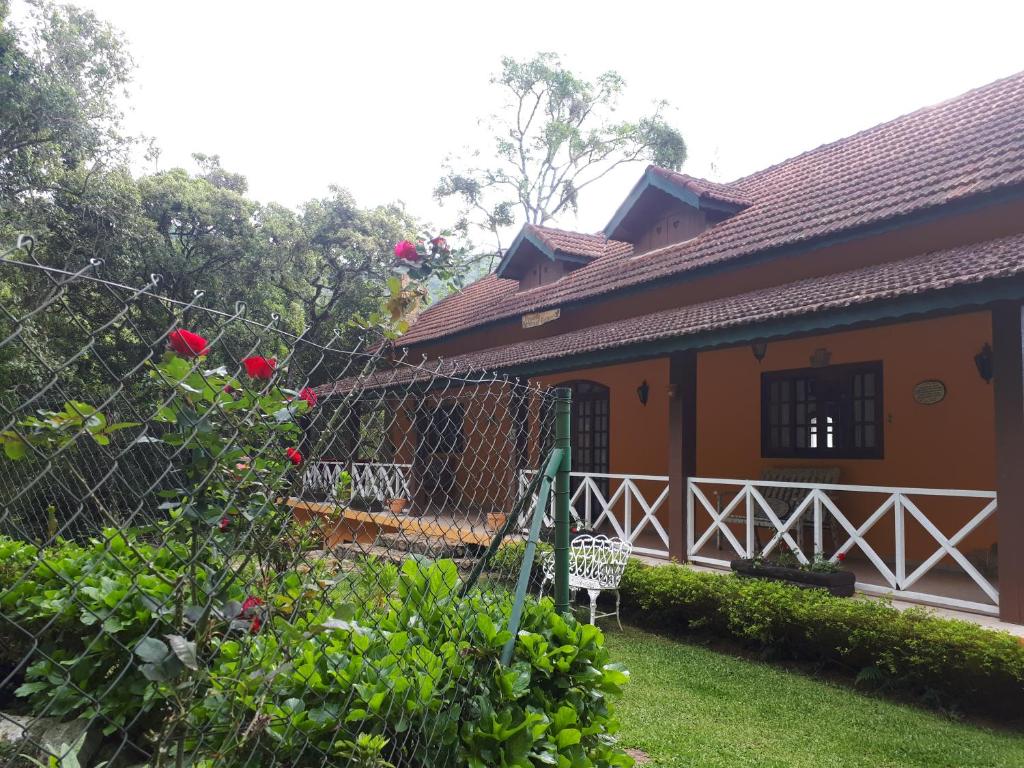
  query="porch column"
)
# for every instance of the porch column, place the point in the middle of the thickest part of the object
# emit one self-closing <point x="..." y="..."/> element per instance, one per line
<point x="682" y="445"/>
<point x="1008" y="394"/>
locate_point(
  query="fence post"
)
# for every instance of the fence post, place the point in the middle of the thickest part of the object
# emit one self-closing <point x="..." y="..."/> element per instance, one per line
<point x="563" y="440"/>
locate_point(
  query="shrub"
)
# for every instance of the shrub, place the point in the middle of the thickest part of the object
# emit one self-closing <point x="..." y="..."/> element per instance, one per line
<point x="418" y="683"/>
<point x="384" y="665"/>
<point x="962" y="663"/>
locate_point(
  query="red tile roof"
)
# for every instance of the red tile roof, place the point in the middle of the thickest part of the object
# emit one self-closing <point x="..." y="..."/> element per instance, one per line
<point x="727" y="193"/>
<point x="577" y="243"/>
<point x="926" y="273"/>
<point x="943" y="153"/>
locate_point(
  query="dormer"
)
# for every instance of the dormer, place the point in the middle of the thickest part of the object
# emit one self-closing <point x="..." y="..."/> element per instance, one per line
<point x="542" y="255"/>
<point x="666" y="207"/>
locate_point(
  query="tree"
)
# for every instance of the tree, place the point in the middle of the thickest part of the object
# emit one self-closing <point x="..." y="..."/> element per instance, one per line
<point x="60" y="77"/>
<point x="557" y="136"/>
<point x="64" y="178"/>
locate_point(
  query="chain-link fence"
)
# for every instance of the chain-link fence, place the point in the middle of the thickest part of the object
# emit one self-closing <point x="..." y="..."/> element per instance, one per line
<point x="221" y="544"/>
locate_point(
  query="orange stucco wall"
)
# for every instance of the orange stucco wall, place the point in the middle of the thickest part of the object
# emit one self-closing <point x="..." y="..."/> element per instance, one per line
<point x="948" y="445"/>
<point x="638" y="434"/>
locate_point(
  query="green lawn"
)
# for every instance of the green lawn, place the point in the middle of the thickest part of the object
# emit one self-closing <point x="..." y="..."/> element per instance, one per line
<point x="689" y="706"/>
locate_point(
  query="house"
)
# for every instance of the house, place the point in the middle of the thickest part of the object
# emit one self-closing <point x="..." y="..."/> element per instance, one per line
<point x="824" y="356"/>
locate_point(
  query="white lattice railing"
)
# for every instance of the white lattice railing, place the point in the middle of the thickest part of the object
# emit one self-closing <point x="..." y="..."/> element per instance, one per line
<point x="370" y="480"/>
<point x="748" y="507"/>
<point x="629" y="507"/>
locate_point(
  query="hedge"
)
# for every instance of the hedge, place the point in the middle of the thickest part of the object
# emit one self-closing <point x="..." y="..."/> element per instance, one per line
<point x="953" y="663"/>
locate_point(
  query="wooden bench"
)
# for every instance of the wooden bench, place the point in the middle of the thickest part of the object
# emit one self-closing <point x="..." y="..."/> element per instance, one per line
<point x="784" y="501"/>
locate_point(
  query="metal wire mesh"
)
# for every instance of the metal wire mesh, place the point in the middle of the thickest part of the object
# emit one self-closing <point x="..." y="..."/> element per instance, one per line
<point x="214" y="553"/>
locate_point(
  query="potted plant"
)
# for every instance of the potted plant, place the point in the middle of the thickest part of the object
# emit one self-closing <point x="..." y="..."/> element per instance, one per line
<point x="820" y="572"/>
<point x="398" y="505"/>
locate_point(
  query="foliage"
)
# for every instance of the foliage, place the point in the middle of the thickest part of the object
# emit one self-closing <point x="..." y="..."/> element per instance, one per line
<point x="60" y="77"/>
<point x="959" y="662"/>
<point x="819" y="564"/>
<point x="65" y="178"/>
<point x="148" y="630"/>
<point x="690" y="705"/>
<point x="348" y="669"/>
<point x="558" y="134"/>
<point x="434" y="669"/>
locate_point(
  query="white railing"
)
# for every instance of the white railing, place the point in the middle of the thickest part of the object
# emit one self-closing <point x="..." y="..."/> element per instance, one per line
<point x="629" y="508"/>
<point x="749" y="507"/>
<point x="370" y="480"/>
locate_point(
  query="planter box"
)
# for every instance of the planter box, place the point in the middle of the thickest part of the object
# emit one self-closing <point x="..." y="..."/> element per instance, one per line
<point x="840" y="583"/>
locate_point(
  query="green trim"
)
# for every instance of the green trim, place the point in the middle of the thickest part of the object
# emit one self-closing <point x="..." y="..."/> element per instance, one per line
<point x="526" y="569"/>
<point x="918" y="306"/>
<point x="563" y="442"/>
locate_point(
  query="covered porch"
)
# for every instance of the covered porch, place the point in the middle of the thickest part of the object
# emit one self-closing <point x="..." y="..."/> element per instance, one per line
<point x="887" y="448"/>
<point x="890" y="447"/>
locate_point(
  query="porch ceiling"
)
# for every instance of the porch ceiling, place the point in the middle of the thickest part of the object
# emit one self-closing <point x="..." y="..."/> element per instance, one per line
<point x="938" y="281"/>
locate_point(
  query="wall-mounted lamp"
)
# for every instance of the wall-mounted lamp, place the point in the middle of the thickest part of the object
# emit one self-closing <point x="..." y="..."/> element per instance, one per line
<point x="759" y="348"/>
<point x="983" y="360"/>
<point x="643" y="392"/>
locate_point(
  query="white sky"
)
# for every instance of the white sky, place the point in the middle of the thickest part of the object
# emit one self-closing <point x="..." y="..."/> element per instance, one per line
<point x="372" y="95"/>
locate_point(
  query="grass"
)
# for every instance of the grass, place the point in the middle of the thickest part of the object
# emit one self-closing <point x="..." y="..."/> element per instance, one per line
<point x="691" y="706"/>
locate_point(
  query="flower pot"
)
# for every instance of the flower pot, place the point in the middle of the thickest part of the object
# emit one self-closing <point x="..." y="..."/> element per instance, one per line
<point x="398" y="506"/>
<point x="838" y="583"/>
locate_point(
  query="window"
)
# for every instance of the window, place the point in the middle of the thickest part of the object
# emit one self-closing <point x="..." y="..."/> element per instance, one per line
<point x="833" y="412"/>
<point x="440" y="429"/>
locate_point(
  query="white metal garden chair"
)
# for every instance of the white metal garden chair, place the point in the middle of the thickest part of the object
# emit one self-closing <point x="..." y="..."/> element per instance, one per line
<point x="596" y="564"/>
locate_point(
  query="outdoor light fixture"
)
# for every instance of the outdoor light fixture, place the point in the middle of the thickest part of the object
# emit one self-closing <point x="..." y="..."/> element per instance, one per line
<point x="759" y="348"/>
<point x="643" y="391"/>
<point x="983" y="360"/>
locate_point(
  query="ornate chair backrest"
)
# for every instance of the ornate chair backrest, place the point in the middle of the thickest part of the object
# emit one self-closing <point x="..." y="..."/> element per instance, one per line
<point x="599" y="558"/>
<point x="793" y="496"/>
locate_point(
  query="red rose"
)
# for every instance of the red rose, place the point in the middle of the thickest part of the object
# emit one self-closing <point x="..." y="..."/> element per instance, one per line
<point x="440" y="245"/>
<point x="293" y="456"/>
<point x="229" y="389"/>
<point x="841" y="556"/>
<point x="259" y="367"/>
<point x="255" y="624"/>
<point x="224" y="523"/>
<point x="250" y="603"/>
<point x="187" y="344"/>
<point x="308" y="395"/>
<point x="406" y="251"/>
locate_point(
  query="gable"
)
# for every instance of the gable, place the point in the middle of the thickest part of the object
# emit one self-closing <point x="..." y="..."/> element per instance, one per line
<point x="695" y="203"/>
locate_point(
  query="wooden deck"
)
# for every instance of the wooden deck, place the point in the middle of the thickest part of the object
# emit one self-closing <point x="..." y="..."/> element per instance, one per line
<point x="343" y="525"/>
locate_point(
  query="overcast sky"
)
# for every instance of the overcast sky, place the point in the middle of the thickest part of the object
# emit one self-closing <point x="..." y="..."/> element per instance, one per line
<point x="372" y="95"/>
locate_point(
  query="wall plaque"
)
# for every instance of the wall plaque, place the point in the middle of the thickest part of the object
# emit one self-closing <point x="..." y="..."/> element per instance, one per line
<point x="535" y="319"/>
<point x="929" y="392"/>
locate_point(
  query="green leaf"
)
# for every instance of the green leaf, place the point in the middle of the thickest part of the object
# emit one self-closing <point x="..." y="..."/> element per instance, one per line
<point x="15" y="449"/>
<point x="152" y="650"/>
<point x="185" y="650"/>
<point x="568" y="737"/>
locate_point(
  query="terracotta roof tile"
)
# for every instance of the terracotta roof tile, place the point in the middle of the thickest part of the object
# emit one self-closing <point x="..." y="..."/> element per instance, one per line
<point x="939" y="270"/>
<point x="714" y="190"/>
<point x="576" y="243"/>
<point x="962" y="147"/>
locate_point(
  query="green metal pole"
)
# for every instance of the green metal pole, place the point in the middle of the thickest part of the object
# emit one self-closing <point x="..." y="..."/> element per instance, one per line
<point x="563" y="440"/>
